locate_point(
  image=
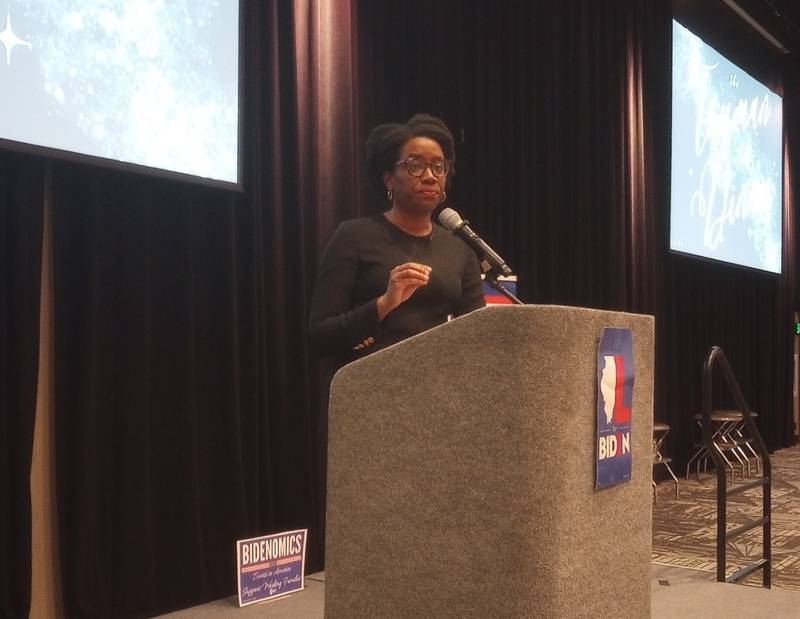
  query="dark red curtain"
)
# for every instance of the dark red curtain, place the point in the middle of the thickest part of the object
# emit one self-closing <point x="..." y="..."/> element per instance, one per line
<point x="22" y="181"/>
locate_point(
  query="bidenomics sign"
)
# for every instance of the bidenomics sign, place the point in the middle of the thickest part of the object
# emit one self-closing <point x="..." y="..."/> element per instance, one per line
<point x="727" y="159"/>
<point x="147" y="82"/>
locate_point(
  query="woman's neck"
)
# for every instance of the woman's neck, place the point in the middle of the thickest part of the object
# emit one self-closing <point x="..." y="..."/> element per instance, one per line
<point x="415" y="225"/>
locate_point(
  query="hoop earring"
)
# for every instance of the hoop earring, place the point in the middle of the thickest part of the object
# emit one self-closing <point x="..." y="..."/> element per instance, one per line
<point x="389" y="194"/>
<point x="444" y="197"/>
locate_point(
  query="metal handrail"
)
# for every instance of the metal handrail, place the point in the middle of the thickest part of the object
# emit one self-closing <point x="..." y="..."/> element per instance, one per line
<point x="716" y="355"/>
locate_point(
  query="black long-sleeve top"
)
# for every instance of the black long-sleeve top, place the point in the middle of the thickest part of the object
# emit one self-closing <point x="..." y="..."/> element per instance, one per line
<point x="354" y="272"/>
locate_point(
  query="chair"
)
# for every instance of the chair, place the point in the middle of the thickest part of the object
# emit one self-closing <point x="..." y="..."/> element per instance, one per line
<point x="660" y="431"/>
<point x="731" y="441"/>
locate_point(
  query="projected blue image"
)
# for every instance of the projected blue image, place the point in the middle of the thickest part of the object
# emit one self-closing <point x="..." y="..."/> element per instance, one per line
<point x="151" y="82"/>
<point x="727" y="173"/>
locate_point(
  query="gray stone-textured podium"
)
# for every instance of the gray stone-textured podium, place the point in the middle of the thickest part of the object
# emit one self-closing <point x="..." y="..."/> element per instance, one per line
<point x="461" y="474"/>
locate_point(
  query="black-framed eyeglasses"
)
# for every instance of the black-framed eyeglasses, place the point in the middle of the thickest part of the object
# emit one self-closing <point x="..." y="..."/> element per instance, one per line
<point x="415" y="166"/>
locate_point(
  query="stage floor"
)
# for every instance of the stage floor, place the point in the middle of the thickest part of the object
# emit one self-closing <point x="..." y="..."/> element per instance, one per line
<point x="676" y="592"/>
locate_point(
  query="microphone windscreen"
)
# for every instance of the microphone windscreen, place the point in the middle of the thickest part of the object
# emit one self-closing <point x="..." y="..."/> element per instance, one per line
<point x="450" y="219"/>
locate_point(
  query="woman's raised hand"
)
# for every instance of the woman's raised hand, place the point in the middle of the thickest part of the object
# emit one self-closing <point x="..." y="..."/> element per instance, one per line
<point x="404" y="280"/>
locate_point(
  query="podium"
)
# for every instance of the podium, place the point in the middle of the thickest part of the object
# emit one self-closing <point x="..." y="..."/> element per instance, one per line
<point x="461" y="470"/>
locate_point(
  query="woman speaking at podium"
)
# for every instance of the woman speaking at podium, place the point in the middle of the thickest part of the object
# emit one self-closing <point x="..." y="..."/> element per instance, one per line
<point x="397" y="273"/>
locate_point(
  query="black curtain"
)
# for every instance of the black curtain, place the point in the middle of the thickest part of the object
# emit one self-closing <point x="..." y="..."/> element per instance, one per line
<point x="159" y="390"/>
<point x="188" y="409"/>
<point x="559" y="118"/>
<point x="791" y="124"/>
<point x="562" y="117"/>
<point x="22" y="181"/>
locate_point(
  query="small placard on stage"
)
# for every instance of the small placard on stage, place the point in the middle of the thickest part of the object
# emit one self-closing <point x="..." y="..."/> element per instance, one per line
<point x="271" y="566"/>
<point x="615" y="378"/>
<point x="494" y="297"/>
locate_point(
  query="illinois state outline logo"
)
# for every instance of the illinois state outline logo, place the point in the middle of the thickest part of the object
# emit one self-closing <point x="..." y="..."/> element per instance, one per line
<point x="615" y="378"/>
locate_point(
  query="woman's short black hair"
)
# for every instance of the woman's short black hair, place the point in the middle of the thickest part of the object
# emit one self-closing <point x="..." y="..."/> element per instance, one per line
<point x="385" y="142"/>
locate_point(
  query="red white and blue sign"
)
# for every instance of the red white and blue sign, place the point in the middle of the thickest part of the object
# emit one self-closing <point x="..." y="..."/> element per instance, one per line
<point x="615" y="378"/>
<point x="271" y="566"/>
<point x="493" y="297"/>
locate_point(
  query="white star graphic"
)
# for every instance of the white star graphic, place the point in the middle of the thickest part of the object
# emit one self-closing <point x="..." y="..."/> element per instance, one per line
<point x="10" y="40"/>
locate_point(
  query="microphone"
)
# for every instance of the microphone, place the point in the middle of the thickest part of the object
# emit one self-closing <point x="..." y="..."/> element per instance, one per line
<point x="490" y="260"/>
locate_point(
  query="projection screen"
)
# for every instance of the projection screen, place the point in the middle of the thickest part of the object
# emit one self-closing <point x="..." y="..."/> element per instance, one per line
<point x="727" y="159"/>
<point x="153" y="83"/>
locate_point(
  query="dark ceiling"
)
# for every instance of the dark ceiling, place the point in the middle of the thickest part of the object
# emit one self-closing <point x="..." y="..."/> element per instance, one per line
<point x="787" y="18"/>
<point x="720" y="24"/>
<point x="789" y="8"/>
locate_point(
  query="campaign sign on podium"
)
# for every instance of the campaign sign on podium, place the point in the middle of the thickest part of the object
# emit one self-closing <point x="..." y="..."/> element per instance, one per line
<point x="271" y="566"/>
<point x="615" y="377"/>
